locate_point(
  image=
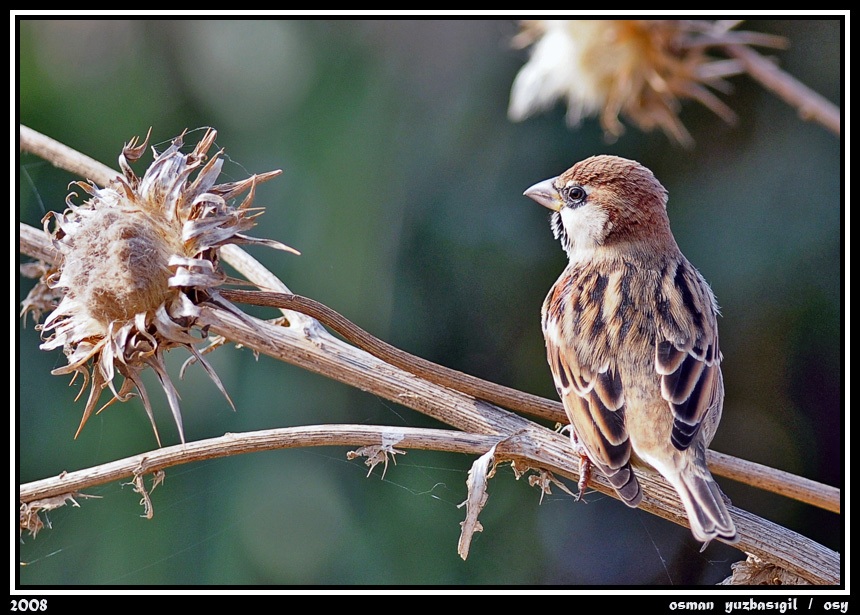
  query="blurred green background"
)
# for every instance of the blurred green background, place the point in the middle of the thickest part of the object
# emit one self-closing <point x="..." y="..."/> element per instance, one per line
<point x="402" y="188"/>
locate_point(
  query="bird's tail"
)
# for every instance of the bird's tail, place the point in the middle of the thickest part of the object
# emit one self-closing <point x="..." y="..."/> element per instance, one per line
<point x="703" y="500"/>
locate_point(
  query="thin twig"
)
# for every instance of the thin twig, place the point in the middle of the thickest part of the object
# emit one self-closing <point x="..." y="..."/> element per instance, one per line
<point x="256" y="441"/>
<point x="810" y="104"/>
<point x="64" y="157"/>
<point x="776" y="481"/>
<point x="254" y="271"/>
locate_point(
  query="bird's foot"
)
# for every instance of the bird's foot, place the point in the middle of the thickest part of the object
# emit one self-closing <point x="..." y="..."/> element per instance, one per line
<point x="585" y="465"/>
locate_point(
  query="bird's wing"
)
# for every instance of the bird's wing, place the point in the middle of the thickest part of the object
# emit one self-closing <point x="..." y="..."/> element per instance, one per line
<point x="688" y="357"/>
<point x="594" y="402"/>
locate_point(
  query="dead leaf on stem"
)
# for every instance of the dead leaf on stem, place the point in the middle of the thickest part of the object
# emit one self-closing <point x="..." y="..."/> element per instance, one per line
<point x="482" y="470"/>
<point x="754" y="571"/>
<point x="139" y="487"/>
<point x="28" y="512"/>
<point x="378" y="453"/>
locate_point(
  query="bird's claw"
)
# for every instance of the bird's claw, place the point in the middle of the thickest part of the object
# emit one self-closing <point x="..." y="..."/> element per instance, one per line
<point x="584" y="476"/>
<point x="585" y="464"/>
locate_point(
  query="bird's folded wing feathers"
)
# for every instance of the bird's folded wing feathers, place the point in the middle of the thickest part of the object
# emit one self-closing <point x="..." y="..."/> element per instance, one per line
<point x="594" y="402"/>
<point x="687" y="358"/>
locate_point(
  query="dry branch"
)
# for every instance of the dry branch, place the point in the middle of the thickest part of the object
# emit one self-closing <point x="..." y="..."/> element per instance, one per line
<point x="256" y="441"/>
<point x="810" y="105"/>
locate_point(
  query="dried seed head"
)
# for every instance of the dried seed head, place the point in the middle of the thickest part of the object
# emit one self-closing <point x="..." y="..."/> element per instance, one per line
<point x="133" y="260"/>
<point x="641" y="69"/>
<point x="117" y="263"/>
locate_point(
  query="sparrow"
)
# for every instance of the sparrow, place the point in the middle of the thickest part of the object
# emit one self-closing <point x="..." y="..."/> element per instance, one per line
<point x="631" y="337"/>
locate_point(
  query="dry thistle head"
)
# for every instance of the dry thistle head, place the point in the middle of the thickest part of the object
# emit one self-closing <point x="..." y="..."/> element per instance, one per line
<point x="641" y="69"/>
<point x="134" y="261"/>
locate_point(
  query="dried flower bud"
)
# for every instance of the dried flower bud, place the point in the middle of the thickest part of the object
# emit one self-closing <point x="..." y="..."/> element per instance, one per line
<point x="134" y="261"/>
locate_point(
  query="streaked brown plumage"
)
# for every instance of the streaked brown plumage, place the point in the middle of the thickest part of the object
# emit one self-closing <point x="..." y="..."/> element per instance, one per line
<point x="631" y="337"/>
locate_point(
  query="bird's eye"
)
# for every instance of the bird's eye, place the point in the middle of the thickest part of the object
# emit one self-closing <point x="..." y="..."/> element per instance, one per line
<point x="576" y="195"/>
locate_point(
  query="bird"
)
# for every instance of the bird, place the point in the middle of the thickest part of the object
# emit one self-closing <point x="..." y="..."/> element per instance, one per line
<point x="631" y="337"/>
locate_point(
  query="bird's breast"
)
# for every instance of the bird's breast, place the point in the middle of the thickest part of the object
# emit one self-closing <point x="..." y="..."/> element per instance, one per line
<point x="602" y="313"/>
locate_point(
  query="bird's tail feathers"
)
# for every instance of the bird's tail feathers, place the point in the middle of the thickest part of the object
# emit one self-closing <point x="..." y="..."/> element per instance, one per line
<point x="703" y="500"/>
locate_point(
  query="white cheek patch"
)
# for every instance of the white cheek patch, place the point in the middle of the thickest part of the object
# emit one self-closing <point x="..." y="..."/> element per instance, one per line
<point x="586" y="227"/>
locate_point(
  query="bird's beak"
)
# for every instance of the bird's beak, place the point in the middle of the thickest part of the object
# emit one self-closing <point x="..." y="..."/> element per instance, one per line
<point x="545" y="193"/>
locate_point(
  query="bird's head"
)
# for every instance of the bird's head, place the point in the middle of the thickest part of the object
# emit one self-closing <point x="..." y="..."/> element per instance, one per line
<point x="604" y="202"/>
